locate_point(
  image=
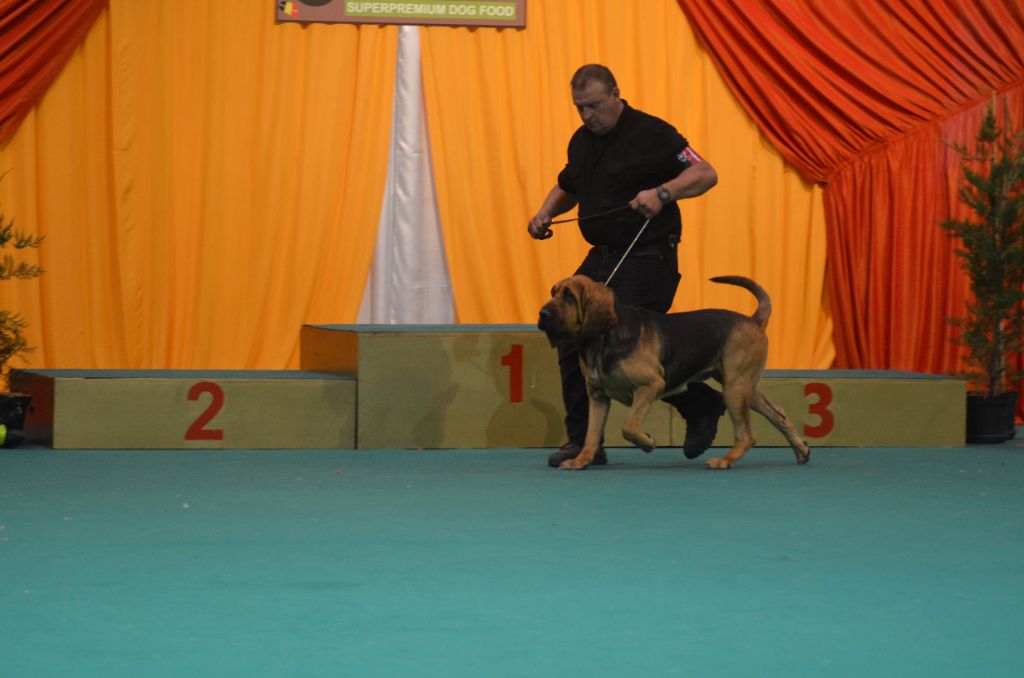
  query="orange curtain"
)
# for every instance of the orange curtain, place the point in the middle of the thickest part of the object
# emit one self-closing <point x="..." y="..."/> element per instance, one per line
<point x="860" y="95"/>
<point x="36" y="40"/>
<point x="207" y="182"/>
<point x="500" y="117"/>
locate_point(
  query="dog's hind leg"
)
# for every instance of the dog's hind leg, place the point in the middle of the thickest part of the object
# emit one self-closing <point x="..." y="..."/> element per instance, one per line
<point x="737" y="394"/>
<point x="777" y="416"/>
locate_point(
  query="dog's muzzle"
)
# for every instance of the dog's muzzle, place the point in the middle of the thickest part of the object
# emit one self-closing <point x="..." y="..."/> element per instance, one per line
<point x="544" y="320"/>
<point x="547" y="323"/>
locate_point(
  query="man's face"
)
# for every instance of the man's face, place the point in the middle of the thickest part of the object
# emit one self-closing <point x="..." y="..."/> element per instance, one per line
<point x="598" y="108"/>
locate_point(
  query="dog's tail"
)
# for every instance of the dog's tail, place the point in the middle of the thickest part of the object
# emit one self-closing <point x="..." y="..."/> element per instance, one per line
<point x="764" y="302"/>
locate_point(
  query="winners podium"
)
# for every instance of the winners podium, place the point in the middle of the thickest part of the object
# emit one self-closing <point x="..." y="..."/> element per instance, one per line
<point x="443" y="386"/>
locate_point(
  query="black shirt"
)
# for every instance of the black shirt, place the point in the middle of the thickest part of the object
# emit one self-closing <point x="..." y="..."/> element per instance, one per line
<point x="606" y="171"/>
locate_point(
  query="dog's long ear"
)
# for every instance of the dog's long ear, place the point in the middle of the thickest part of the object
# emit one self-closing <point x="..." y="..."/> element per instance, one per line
<point x="597" y="302"/>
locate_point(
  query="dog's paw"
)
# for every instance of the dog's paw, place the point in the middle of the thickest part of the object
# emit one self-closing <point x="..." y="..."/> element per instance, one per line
<point x="645" y="441"/>
<point x="803" y="456"/>
<point x="720" y="463"/>
<point x="573" y="465"/>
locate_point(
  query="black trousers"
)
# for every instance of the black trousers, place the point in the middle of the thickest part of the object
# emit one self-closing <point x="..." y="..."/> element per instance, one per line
<point x="648" y="278"/>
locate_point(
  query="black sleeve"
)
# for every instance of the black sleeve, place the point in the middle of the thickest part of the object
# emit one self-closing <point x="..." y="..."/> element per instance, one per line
<point x="567" y="178"/>
<point x="672" y="160"/>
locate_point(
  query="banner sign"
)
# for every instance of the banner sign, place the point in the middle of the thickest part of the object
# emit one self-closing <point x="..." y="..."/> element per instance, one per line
<point x="494" y="13"/>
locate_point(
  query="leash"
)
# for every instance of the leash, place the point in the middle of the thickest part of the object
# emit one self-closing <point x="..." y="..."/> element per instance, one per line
<point x="548" y="233"/>
<point x="626" y="253"/>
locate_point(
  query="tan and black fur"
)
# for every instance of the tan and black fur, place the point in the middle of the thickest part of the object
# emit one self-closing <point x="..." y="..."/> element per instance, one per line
<point x="637" y="356"/>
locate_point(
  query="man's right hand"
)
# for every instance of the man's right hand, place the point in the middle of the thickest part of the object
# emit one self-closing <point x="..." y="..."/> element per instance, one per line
<point x="540" y="226"/>
<point x="557" y="202"/>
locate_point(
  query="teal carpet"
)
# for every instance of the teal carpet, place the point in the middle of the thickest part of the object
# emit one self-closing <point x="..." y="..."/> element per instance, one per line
<point x="866" y="562"/>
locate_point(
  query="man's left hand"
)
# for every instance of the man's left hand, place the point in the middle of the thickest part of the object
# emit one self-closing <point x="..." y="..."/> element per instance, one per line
<point x="647" y="203"/>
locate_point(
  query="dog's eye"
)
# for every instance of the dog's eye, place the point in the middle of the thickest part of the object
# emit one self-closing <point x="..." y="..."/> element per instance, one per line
<point x="566" y="294"/>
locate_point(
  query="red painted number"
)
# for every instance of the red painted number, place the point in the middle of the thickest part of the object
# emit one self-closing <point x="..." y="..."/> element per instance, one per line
<point x="198" y="430"/>
<point x="826" y="419"/>
<point x="513" y="360"/>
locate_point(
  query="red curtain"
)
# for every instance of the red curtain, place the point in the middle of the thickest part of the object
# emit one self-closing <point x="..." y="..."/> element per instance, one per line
<point x="36" y="39"/>
<point x="860" y="95"/>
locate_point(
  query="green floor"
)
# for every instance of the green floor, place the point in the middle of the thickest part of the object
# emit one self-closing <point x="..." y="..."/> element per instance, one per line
<point x="866" y="562"/>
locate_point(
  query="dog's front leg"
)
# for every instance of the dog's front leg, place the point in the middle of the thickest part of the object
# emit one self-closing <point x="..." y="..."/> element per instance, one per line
<point x="643" y="398"/>
<point x="598" y="416"/>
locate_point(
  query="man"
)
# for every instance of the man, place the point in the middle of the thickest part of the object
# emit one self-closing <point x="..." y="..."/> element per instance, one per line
<point x="625" y="166"/>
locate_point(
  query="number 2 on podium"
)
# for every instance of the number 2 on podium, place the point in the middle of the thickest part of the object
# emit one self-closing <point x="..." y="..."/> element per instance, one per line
<point x="198" y="430"/>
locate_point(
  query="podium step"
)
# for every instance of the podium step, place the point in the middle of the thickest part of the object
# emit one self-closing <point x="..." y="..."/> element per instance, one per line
<point x="484" y="386"/>
<point x="442" y="386"/>
<point x="188" y="409"/>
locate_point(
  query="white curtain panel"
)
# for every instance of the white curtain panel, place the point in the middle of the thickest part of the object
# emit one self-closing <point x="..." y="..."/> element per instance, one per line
<point x="408" y="281"/>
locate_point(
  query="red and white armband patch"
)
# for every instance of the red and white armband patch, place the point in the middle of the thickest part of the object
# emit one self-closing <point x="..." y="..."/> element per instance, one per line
<point x="689" y="157"/>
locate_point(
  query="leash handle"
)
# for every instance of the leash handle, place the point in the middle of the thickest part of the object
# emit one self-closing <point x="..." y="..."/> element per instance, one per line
<point x="548" y="232"/>
<point x="626" y="253"/>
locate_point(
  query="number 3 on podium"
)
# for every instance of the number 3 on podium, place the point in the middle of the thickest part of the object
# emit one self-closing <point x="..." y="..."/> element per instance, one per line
<point x="826" y="420"/>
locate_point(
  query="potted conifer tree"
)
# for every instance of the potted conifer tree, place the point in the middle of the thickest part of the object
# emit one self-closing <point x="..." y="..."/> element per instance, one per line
<point x="13" y="343"/>
<point x="991" y="249"/>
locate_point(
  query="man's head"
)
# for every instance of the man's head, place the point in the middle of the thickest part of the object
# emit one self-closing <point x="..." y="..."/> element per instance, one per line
<point x="596" y="97"/>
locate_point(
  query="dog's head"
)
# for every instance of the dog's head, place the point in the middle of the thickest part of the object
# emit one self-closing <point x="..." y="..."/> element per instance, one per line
<point x="579" y="307"/>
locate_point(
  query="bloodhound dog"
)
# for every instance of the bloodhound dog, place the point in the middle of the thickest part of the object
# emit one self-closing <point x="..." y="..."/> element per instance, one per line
<point x="637" y="356"/>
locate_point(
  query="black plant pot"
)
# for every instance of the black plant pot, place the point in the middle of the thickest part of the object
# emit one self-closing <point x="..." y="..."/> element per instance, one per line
<point x="13" y="407"/>
<point x="990" y="419"/>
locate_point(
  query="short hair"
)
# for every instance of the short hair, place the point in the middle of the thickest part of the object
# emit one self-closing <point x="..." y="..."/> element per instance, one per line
<point x="584" y="74"/>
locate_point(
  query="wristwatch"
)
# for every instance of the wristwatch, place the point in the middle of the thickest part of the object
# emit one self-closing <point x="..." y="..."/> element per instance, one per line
<point x="664" y="196"/>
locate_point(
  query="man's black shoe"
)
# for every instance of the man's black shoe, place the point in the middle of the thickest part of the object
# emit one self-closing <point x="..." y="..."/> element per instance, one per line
<point x="571" y="451"/>
<point x="701" y="431"/>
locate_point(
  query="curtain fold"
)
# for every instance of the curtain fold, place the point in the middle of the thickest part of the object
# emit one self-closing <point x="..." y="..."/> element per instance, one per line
<point x="207" y="182"/>
<point x="408" y="282"/>
<point x="899" y="277"/>
<point x="500" y="117"/>
<point x="36" y="40"/>
<point x="828" y="82"/>
<point x="861" y="95"/>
